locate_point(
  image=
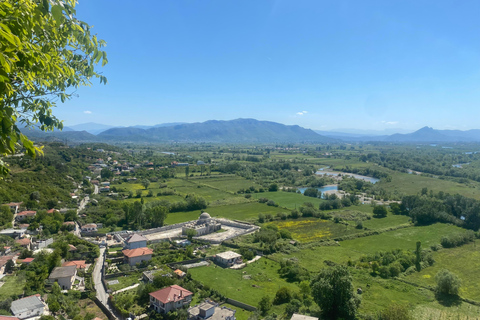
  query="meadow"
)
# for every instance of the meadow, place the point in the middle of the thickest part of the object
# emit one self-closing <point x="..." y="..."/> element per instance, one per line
<point x="464" y="261"/>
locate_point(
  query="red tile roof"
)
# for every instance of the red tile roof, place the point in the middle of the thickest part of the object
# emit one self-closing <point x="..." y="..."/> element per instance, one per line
<point x="137" y="252"/>
<point x="80" y="264"/>
<point x="23" y="242"/>
<point x="27" y="213"/>
<point x="71" y="247"/>
<point x="28" y="260"/>
<point x="8" y="318"/>
<point x="172" y="293"/>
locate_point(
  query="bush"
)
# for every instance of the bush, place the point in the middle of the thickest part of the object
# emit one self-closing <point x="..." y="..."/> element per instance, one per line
<point x="447" y="282"/>
<point x="283" y="295"/>
<point x="359" y="225"/>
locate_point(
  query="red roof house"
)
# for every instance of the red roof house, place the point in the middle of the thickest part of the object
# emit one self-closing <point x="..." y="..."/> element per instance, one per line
<point x="170" y="298"/>
<point x="138" y="255"/>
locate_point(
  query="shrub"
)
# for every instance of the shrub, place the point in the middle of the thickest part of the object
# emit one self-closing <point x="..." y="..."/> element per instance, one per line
<point x="283" y="295"/>
<point x="447" y="282"/>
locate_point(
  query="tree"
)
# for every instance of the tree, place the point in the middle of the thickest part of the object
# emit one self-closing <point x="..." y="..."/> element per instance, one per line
<point x="264" y="305"/>
<point x="332" y="290"/>
<point x="311" y="192"/>
<point x="273" y="187"/>
<point x="106" y="173"/>
<point x="9" y="266"/>
<point x="46" y="53"/>
<point x="145" y="183"/>
<point x="283" y="295"/>
<point x="418" y="256"/>
<point x="447" y="282"/>
<point x="380" y="211"/>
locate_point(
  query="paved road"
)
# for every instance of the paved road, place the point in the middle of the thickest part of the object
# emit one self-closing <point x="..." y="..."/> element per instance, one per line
<point x="97" y="278"/>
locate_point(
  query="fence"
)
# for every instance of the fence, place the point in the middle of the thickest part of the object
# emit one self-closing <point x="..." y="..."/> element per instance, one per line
<point x="241" y="305"/>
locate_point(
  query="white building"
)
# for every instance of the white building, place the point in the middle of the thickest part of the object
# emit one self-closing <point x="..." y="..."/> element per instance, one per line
<point x="65" y="276"/>
<point x="204" y="225"/>
<point x="210" y="310"/>
<point x="28" y="307"/>
<point x="228" y="258"/>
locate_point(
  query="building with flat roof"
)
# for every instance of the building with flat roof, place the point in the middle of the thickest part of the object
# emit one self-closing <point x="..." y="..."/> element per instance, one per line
<point x="210" y="310"/>
<point x="228" y="258"/>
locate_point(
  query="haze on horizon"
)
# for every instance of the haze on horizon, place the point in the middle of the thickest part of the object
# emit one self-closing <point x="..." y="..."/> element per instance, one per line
<point x="322" y="65"/>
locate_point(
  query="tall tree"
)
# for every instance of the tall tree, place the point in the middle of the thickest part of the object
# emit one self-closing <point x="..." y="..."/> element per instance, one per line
<point x="45" y="54"/>
<point x="332" y="290"/>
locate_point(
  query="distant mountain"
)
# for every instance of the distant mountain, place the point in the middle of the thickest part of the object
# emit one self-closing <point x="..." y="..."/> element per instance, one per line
<point x="91" y="127"/>
<point x="233" y="131"/>
<point x="427" y="134"/>
<point x="72" y="136"/>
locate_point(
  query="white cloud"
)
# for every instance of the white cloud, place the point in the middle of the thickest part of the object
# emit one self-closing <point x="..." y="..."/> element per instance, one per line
<point x="301" y="113"/>
<point x="87" y="112"/>
<point x="390" y="122"/>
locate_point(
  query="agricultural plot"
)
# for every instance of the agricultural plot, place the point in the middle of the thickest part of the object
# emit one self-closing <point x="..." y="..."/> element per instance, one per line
<point x="124" y="282"/>
<point x="389" y="221"/>
<point x="410" y="184"/>
<point x="464" y="261"/>
<point x="436" y="311"/>
<point x="402" y="238"/>
<point x="312" y="229"/>
<point x="288" y="200"/>
<point x="230" y="184"/>
<point x="247" y="285"/>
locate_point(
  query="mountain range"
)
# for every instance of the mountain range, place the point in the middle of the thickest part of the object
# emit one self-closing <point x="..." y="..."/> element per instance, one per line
<point x="242" y="131"/>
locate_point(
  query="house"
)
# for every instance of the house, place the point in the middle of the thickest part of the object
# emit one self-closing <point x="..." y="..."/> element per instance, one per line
<point x="135" y="241"/>
<point x="91" y="227"/>
<point x="53" y="210"/>
<point x="24" y="243"/>
<point x="210" y="310"/>
<point x="65" y="276"/>
<point x="25" y="214"/>
<point x="3" y="262"/>
<point x="138" y="255"/>
<point x="79" y="264"/>
<point x="14" y="233"/>
<point x="9" y="318"/>
<point x="170" y="298"/>
<point x="228" y="258"/>
<point x="297" y="316"/>
<point x="14" y="206"/>
<point x="32" y="306"/>
<point x="27" y="260"/>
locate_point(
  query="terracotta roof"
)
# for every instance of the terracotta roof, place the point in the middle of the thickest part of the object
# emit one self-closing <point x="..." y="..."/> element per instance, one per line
<point x="4" y="260"/>
<point x="23" y="242"/>
<point x="27" y="213"/>
<point x="24" y="225"/>
<point x="137" y="252"/>
<point x="172" y="293"/>
<point x="69" y="223"/>
<point x="80" y="264"/>
<point x="8" y="318"/>
<point x="13" y="204"/>
<point x="90" y="225"/>
<point x="179" y="273"/>
<point x="52" y="211"/>
<point x="28" y="260"/>
<point x="72" y="248"/>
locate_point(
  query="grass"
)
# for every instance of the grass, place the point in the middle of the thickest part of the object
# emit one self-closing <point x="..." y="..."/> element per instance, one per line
<point x="230" y="184"/>
<point x="435" y="311"/>
<point x="311" y="256"/>
<point x="232" y="283"/>
<point x="88" y="306"/>
<point x="240" y="211"/>
<point x="389" y="221"/>
<point x="13" y="285"/>
<point x="312" y="229"/>
<point x="402" y="239"/>
<point x="288" y="200"/>
<point x="403" y="183"/>
<point x="240" y="314"/>
<point x="124" y="281"/>
<point x="464" y="261"/>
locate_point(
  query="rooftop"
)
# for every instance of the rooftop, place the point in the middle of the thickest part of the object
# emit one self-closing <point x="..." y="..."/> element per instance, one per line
<point x="172" y="293"/>
<point x="220" y="313"/>
<point x="25" y="304"/>
<point x="23" y="242"/>
<point x="228" y="255"/>
<point x="297" y="316"/>
<point x="63" y="272"/>
<point x="136" y="238"/>
<point x="79" y="264"/>
<point x="137" y="252"/>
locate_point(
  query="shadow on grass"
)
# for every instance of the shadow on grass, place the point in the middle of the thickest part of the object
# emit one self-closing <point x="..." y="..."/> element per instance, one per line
<point x="448" y="300"/>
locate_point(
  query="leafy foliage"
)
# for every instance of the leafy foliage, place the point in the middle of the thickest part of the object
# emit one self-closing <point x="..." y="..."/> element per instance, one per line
<point x="45" y="52"/>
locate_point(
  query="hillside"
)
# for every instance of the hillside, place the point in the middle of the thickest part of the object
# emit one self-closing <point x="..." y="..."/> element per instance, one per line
<point x="233" y="131"/>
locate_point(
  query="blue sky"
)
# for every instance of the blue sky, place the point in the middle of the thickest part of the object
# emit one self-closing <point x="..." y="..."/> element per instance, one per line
<point x="319" y="64"/>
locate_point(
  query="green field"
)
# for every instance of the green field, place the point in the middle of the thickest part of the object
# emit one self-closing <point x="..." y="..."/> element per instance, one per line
<point x="464" y="261"/>
<point x="409" y="184"/>
<point x="389" y="221"/>
<point x="230" y="184"/>
<point x="313" y="229"/>
<point x="311" y="257"/>
<point x="242" y="211"/>
<point x="12" y="286"/>
<point x="288" y="200"/>
<point x="235" y="285"/>
<point x="124" y="282"/>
